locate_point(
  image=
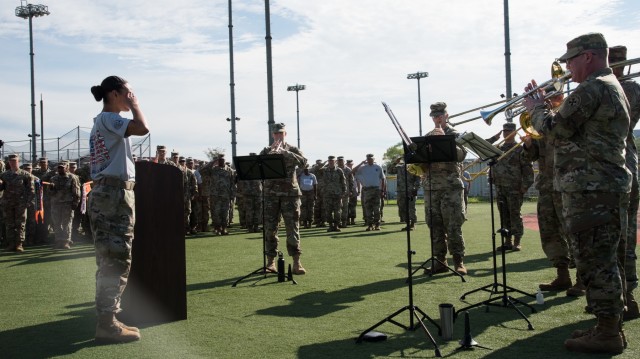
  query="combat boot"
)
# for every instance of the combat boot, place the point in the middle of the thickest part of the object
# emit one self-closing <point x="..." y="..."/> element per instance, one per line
<point x="458" y="265"/>
<point x="108" y="331"/>
<point x="19" y="248"/>
<point x="437" y="267"/>
<point x="516" y="243"/>
<point x="578" y="289"/>
<point x="508" y="244"/>
<point x="223" y="231"/>
<point x="122" y="325"/>
<point x="352" y="221"/>
<point x="297" y="266"/>
<point x="271" y="265"/>
<point x="632" y="308"/>
<point x="562" y="281"/>
<point x="336" y="228"/>
<point x="604" y="338"/>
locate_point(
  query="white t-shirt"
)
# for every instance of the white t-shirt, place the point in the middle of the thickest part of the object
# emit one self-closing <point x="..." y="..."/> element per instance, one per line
<point x="110" y="151"/>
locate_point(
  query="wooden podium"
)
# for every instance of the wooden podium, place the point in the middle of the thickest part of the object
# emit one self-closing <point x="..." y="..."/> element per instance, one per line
<point x="157" y="287"/>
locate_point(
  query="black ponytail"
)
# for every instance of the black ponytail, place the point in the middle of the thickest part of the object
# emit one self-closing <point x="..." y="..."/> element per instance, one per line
<point x="108" y="84"/>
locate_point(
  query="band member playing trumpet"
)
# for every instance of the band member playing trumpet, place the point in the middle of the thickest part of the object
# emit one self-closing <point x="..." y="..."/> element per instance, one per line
<point x="512" y="176"/>
<point x="589" y="131"/>
<point x="446" y="200"/>
<point x="282" y="197"/>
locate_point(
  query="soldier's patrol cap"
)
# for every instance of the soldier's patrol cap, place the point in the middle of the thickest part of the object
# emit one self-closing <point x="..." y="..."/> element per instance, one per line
<point x="181" y="159"/>
<point x="63" y="164"/>
<point x="161" y="148"/>
<point x="43" y="159"/>
<point x="189" y="160"/>
<point x="331" y="158"/>
<point x="590" y="41"/>
<point x="349" y="161"/>
<point x="13" y="157"/>
<point x="26" y="166"/>
<point x="318" y="161"/>
<point x="370" y="155"/>
<point x="437" y="109"/>
<point x="278" y="127"/>
<point x="617" y="54"/>
<point x="73" y="164"/>
<point x="175" y="154"/>
<point x="340" y="158"/>
<point x="509" y="126"/>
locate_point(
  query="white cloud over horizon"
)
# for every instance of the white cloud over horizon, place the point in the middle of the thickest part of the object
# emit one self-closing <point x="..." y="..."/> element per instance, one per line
<point x="350" y="55"/>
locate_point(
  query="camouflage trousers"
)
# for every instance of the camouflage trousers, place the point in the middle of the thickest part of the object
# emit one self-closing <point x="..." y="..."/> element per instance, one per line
<point x="30" y="225"/>
<point x="402" y="208"/>
<point x="353" y="204"/>
<point x="187" y="213"/>
<point x="332" y="210"/>
<point x="444" y="214"/>
<point x="318" y="208"/>
<point x="220" y="211"/>
<point x="308" y="203"/>
<point x="253" y="211"/>
<point x="289" y="208"/>
<point x="595" y="222"/>
<point x="194" y="224"/>
<point x="232" y="207"/>
<point x="552" y="236"/>
<point x="62" y="216"/>
<point x="241" y="210"/>
<point x="344" y="216"/>
<point x="509" y="205"/>
<point x="15" y="219"/>
<point x="630" y="272"/>
<point x="202" y="208"/>
<point x="112" y="215"/>
<point x="371" y="205"/>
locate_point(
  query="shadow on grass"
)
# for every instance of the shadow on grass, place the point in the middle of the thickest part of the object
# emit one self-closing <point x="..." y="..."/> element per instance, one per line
<point x="52" y="339"/>
<point x="45" y="254"/>
<point x="319" y="303"/>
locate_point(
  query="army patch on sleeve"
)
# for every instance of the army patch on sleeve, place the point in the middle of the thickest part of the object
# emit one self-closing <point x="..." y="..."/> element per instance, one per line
<point x="117" y="124"/>
<point x="573" y="101"/>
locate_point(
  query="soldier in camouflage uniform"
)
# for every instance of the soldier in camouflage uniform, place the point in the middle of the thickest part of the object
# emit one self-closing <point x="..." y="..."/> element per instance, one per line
<point x="82" y="219"/>
<point x="309" y="188"/>
<point x="65" y="197"/>
<point x="318" y="209"/>
<point x="253" y="205"/>
<point x="18" y="192"/>
<point x="30" y="226"/>
<point x="353" y="195"/>
<point x="282" y="197"/>
<point x="444" y="199"/>
<point x="407" y="185"/>
<point x="512" y="176"/>
<point x="195" y="214"/>
<point x="632" y="91"/>
<point x="348" y="175"/>
<point x="111" y="205"/>
<point x="44" y="173"/>
<point x="161" y="156"/>
<point x="190" y="191"/>
<point x="335" y="188"/>
<point x="203" y="196"/>
<point x="222" y="183"/>
<point x="373" y="181"/>
<point x="589" y="131"/>
<point x="234" y="193"/>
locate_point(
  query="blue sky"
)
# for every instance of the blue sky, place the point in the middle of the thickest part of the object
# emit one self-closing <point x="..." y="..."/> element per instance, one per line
<point x="350" y="54"/>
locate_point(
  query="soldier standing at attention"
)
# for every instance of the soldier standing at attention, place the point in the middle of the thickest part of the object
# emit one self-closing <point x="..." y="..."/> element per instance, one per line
<point x="446" y="200"/>
<point x="512" y="176"/>
<point x="632" y="91"/>
<point x="348" y="175"/>
<point x="589" y="131"/>
<point x="161" y="156"/>
<point x="282" y="197"/>
<point x="335" y="188"/>
<point x="222" y="179"/>
<point x="17" y="188"/>
<point x="30" y="226"/>
<point x="308" y="186"/>
<point x="407" y="185"/>
<point x="374" y="187"/>
<point x="44" y="173"/>
<point x="190" y="191"/>
<point x="111" y="204"/>
<point x="353" y="195"/>
<point x="318" y="209"/>
<point x="65" y="197"/>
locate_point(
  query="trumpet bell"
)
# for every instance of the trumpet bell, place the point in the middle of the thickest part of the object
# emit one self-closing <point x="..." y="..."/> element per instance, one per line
<point x="527" y="126"/>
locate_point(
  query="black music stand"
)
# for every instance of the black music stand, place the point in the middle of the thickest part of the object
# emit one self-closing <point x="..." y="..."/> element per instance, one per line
<point x="410" y="152"/>
<point x="433" y="149"/>
<point x="261" y="167"/>
<point x="488" y="152"/>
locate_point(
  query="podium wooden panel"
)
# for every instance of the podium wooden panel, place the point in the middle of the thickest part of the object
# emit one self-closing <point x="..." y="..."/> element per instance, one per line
<point x="157" y="287"/>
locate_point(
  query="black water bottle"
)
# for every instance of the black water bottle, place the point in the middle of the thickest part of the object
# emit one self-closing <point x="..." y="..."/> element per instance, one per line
<point x="281" y="277"/>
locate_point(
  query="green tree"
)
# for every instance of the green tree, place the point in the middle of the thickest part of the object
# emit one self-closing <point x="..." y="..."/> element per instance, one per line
<point x="213" y="153"/>
<point x="392" y="154"/>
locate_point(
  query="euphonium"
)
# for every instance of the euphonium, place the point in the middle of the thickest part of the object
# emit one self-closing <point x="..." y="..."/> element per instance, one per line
<point x="527" y="126"/>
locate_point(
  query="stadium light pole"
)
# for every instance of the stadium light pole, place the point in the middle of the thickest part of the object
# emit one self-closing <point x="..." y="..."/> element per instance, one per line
<point x="29" y="11"/>
<point x="297" y="88"/>
<point x="418" y="76"/>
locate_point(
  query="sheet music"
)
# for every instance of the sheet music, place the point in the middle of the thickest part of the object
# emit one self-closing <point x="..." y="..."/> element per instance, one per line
<point x="483" y="149"/>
